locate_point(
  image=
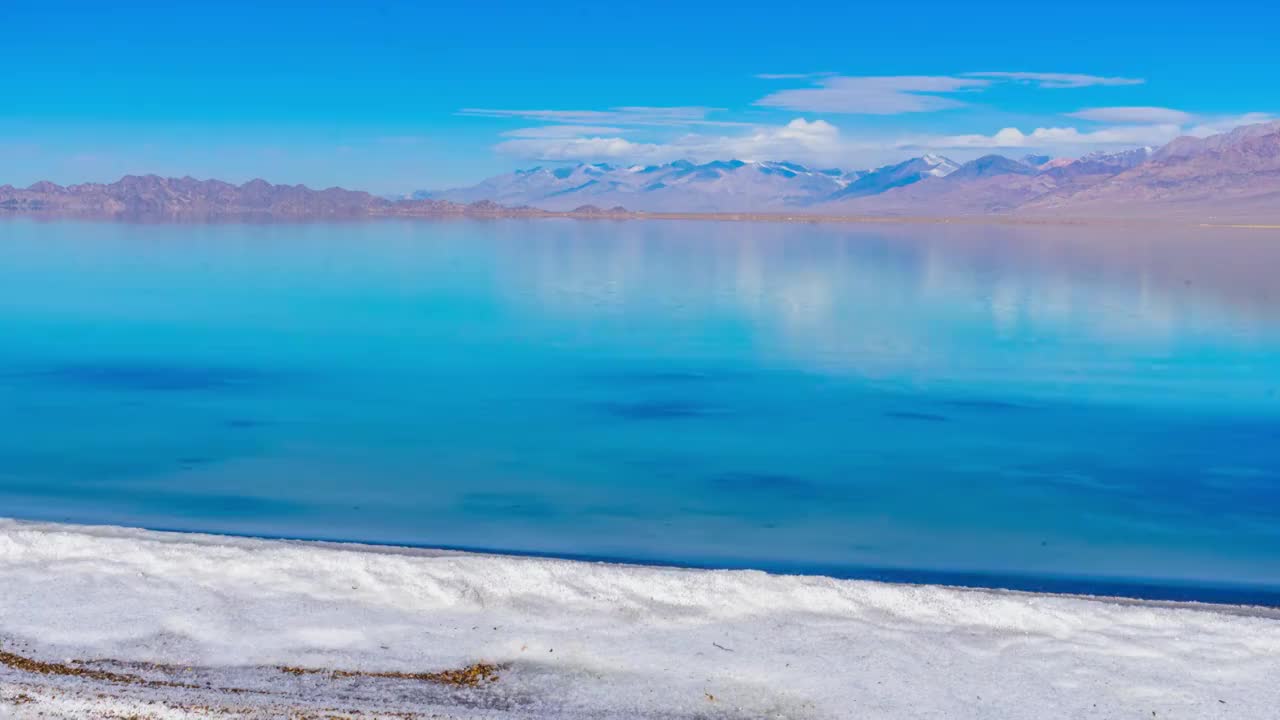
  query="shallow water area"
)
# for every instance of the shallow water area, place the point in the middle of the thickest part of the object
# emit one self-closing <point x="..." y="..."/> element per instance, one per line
<point x="1066" y="408"/>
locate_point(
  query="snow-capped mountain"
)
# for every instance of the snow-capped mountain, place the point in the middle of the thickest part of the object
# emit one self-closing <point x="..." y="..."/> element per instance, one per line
<point x="684" y="186"/>
<point x="990" y="166"/>
<point x="1109" y="162"/>
<point x="989" y="184"/>
<point x="1240" y="166"/>
<point x="1233" y="175"/>
<point x="1036" y="161"/>
<point x="904" y="173"/>
<point x="681" y="186"/>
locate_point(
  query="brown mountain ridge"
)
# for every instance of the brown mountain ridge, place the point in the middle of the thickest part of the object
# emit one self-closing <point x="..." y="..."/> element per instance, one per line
<point x="151" y="196"/>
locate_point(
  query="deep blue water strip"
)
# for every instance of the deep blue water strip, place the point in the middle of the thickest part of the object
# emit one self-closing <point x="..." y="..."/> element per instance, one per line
<point x="1135" y="589"/>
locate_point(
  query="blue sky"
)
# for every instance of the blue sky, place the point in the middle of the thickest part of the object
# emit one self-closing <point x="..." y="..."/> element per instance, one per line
<point x="393" y="96"/>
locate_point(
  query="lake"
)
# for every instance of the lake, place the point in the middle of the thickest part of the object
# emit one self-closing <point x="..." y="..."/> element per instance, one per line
<point x="1080" y="409"/>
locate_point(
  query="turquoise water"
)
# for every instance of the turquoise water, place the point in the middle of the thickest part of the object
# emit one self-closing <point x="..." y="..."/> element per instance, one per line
<point x="1056" y="407"/>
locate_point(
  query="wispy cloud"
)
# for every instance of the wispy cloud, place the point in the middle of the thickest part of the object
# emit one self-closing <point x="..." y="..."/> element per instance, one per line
<point x="659" y="133"/>
<point x="584" y="149"/>
<point x="563" y="131"/>
<point x="894" y="94"/>
<point x="1128" y="132"/>
<point x="1215" y="125"/>
<point x="801" y="140"/>
<point x="629" y="115"/>
<point x="1134" y="114"/>
<point x="886" y="95"/>
<point x="1055" y="80"/>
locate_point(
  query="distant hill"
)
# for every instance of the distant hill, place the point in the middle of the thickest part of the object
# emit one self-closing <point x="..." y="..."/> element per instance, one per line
<point x="1234" y="176"/>
<point x="151" y="196"/>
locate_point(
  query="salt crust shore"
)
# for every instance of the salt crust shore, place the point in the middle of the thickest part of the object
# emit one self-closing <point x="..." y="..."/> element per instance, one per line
<point x="100" y="622"/>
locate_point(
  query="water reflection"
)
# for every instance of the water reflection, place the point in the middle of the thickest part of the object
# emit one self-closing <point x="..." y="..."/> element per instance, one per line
<point x="914" y="302"/>
<point x="1073" y="401"/>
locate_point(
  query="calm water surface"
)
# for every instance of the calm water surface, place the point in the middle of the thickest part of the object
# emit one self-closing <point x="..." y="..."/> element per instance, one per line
<point x="1011" y="406"/>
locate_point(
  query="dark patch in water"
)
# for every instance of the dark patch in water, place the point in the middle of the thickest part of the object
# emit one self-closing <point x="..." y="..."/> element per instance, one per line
<point x="716" y="512"/>
<point x="613" y="511"/>
<point x="1171" y="492"/>
<point x="157" y="378"/>
<point x="653" y="466"/>
<point x="990" y="405"/>
<point x="236" y="506"/>
<point x="501" y="505"/>
<point x="776" y="484"/>
<point x="918" y="416"/>
<point x="657" y="377"/>
<point x="196" y="460"/>
<point x="659" y="410"/>
<point x="1261" y="429"/>
<point x="242" y="424"/>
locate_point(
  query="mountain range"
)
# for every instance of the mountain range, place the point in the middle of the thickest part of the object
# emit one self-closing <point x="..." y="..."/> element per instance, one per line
<point x="683" y="186"/>
<point x="151" y="196"/>
<point x="1231" y="177"/>
<point x="1235" y="175"/>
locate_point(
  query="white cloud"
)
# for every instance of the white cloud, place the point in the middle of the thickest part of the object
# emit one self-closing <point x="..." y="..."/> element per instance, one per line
<point x="1055" y="80"/>
<point x="801" y="140"/>
<point x="1054" y="137"/>
<point x="820" y="143"/>
<point x="1134" y="114"/>
<point x="583" y="149"/>
<point x="888" y="95"/>
<point x="1071" y="139"/>
<point x="650" y="134"/>
<point x="893" y="94"/>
